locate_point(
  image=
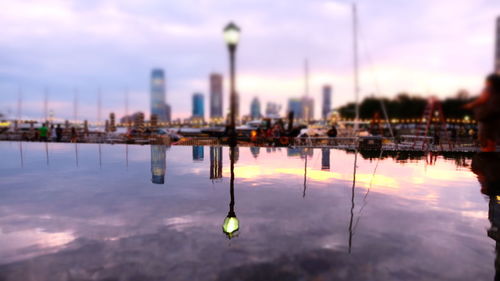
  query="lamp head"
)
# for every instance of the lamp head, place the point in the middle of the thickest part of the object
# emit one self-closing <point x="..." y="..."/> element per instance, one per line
<point x="232" y="34"/>
<point x="231" y="225"/>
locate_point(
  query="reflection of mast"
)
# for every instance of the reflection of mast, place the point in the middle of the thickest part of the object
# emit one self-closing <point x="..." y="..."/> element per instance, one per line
<point x="47" y="152"/>
<point x="76" y="154"/>
<point x="305" y="178"/>
<point x="352" y="200"/>
<point x="100" y="159"/>
<point x="21" y="153"/>
<point x="126" y="155"/>
<point x="158" y="163"/>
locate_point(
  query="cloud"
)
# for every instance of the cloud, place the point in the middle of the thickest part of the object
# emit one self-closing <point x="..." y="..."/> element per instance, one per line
<point x="112" y="44"/>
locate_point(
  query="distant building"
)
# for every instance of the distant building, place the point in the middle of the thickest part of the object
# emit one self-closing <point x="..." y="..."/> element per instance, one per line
<point x="129" y="119"/>
<point x="158" y="95"/>
<point x="255" y="109"/>
<point x="216" y="98"/>
<point x="198" y="106"/>
<point x="295" y="106"/>
<point x="307" y="108"/>
<point x="198" y="153"/>
<point x="158" y="164"/>
<point x="215" y="162"/>
<point x="497" y="53"/>
<point x="273" y="110"/>
<point x="327" y="101"/>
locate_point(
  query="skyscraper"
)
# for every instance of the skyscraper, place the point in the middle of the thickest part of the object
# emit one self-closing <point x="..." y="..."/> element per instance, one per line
<point x="158" y="164"/>
<point x="327" y="101"/>
<point x="158" y="104"/>
<point x="295" y="105"/>
<point x="255" y="109"/>
<point x="497" y="53"/>
<point x="273" y="110"/>
<point x="307" y="108"/>
<point x="198" y="106"/>
<point x="216" y="99"/>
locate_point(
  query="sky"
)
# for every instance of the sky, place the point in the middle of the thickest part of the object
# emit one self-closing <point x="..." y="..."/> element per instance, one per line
<point x="77" y="48"/>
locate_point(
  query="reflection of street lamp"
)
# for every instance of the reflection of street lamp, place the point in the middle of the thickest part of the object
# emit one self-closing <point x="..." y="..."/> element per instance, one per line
<point x="231" y="223"/>
<point x="232" y="36"/>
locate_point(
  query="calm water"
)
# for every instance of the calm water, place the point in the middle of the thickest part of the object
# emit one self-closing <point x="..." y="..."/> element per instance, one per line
<point x="116" y="212"/>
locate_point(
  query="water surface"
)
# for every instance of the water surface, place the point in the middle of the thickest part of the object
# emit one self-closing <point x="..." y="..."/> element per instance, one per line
<point x="123" y="212"/>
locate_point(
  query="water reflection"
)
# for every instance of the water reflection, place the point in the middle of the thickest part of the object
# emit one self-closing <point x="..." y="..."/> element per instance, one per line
<point x="198" y="153"/>
<point x="255" y="150"/>
<point x="231" y="224"/>
<point x="215" y="162"/>
<point x="325" y="159"/>
<point x="486" y="166"/>
<point x="158" y="163"/>
<point x="409" y="226"/>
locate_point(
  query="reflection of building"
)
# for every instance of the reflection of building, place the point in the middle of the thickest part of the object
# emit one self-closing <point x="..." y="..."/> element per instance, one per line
<point x="158" y="104"/>
<point x="216" y="100"/>
<point x="300" y="151"/>
<point x="215" y="162"/>
<point x="255" y="150"/>
<point x="158" y="163"/>
<point x="497" y="46"/>
<point x="255" y="109"/>
<point x="198" y="107"/>
<point x="198" y="153"/>
<point x="325" y="159"/>
<point x="327" y="101"/>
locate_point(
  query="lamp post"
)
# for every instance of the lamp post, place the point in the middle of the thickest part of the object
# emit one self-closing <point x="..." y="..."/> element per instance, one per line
<point x="231" y="223"/>
<point x="232" y="36"/>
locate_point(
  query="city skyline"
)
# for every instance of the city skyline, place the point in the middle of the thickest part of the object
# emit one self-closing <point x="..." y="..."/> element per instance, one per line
<point x="67" y="51"/>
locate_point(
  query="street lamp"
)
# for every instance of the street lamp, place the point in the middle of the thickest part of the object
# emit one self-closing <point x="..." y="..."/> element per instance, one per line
<point x="232" y="36"/>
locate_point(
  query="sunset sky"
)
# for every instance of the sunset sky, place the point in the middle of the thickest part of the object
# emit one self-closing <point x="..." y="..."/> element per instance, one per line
<point x="417" y="46"/>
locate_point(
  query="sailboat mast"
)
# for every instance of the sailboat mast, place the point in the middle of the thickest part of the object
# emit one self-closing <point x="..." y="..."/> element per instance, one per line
<point x="355" y="63"/>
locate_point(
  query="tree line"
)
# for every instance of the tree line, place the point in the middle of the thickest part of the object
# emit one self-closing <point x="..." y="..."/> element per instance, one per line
<point x="407" y="106"/>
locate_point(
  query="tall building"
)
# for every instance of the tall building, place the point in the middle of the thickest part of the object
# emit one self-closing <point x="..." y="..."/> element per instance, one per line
<point x="158" y="94"/>
<point x="497" y="53"/>
<point x="255" y="109"/>
<point x="273" y="110"/>
<point x="198" y="106"/>
<point x="295" y="105"/>
<point x="215" y="162"/>
<point x="216" y="98"/>
<point x="158" y="164"/>
<point x="327" y="101"/>
<point x="307" y="108"/>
